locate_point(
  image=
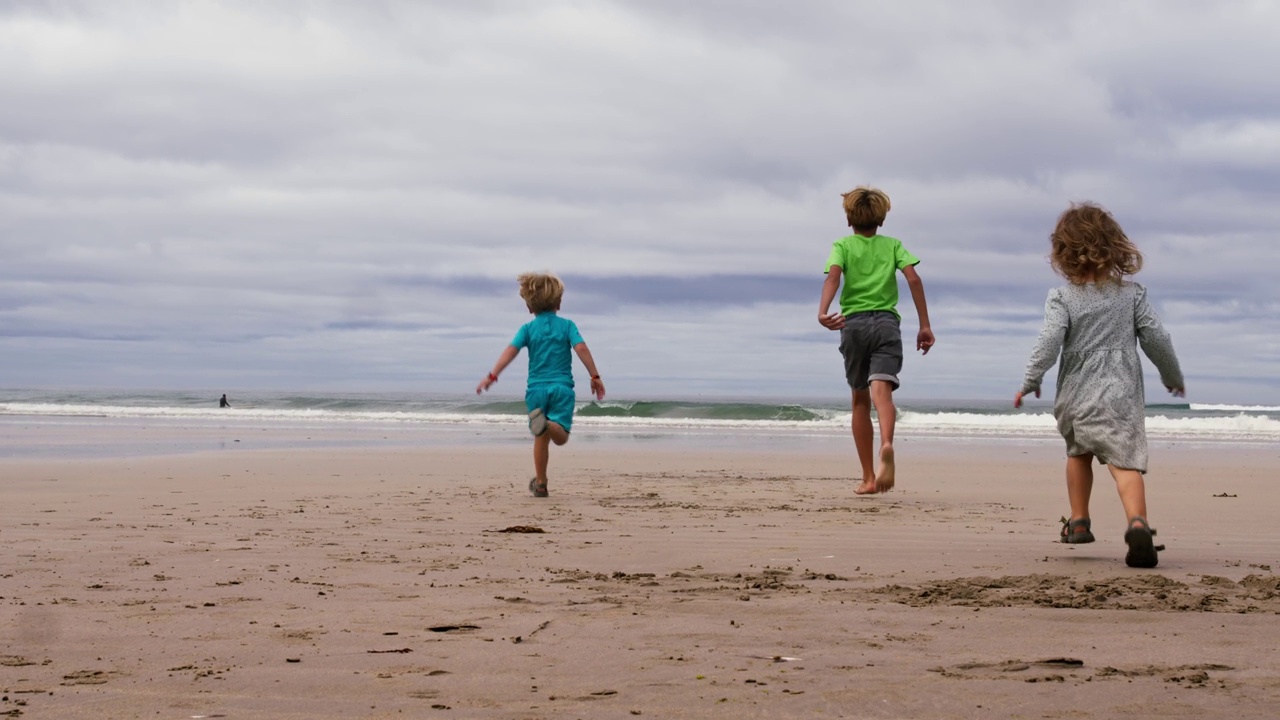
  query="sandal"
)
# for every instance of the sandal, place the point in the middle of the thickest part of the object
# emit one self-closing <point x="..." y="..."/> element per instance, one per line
<point x="1072" y="532"/>
<point x="537" y="422"/>
<point x="533" y="488"/>
<point x="1142" y="550"/>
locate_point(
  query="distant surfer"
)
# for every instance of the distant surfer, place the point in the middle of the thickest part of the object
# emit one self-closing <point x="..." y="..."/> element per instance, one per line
<point x="223" y="402"/>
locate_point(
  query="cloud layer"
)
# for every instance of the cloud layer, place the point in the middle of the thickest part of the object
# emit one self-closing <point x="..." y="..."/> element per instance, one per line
<point x="293" y="196"/>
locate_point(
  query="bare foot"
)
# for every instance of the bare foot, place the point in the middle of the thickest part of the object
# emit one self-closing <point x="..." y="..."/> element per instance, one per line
<point x="868" y="487"/>
<point x="884" y="478"/>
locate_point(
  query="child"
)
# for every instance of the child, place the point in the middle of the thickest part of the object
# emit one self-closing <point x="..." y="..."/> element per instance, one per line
<point x="549" y="394"/>
<point x="868" y="321"/>
<point x="1094" y="320"/>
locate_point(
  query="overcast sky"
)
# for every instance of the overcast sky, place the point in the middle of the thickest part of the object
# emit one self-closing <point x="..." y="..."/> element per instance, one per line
<point x="337" y="196"/>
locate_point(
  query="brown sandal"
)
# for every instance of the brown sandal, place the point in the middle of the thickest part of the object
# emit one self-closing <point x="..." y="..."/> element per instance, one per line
<point x="537" y="491"/>
<point x="1076" y="532"/>
<point x="1142" y="549"/>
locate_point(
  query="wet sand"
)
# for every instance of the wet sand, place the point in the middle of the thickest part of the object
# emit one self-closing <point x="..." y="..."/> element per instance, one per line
<point x="656" y="581"/>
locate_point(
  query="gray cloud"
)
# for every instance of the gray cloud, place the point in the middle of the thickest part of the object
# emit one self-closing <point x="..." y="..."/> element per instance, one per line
<point x="334" y="195"/>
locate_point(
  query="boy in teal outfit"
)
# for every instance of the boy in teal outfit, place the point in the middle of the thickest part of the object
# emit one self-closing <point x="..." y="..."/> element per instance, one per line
<point x="868" y="321"/>
<point x="549" y="394"/>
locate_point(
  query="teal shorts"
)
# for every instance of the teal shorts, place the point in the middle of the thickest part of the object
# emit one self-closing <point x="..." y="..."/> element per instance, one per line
<point x="557" y="403"/>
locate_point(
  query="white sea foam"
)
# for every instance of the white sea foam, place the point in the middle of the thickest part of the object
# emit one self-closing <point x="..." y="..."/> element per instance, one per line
<point x="1240" y="426"/>
<point x="239" y="415"/>
<point x="1234" y="408"/>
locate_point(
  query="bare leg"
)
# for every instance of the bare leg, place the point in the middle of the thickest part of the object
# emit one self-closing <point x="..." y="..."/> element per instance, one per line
<point x="887" y="414"/>
<point x="541" y="453"/>
<point x="542" y="450"/>
<point x="1133" y="492"/>
<point x="863" y="434"/>
<point x="557" y="432"/>
<point x="1142" y="551"/>
<point x="1079" y="485"/>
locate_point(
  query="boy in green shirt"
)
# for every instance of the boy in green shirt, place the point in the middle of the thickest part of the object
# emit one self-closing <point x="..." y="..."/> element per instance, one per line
<point x="868" y="321"/>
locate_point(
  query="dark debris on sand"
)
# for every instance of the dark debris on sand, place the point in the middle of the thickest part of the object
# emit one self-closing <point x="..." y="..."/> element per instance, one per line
<point x="1253" y="594"/>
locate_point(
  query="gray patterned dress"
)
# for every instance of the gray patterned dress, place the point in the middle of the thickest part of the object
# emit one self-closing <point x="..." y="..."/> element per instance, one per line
<point x="1100" y="398"/>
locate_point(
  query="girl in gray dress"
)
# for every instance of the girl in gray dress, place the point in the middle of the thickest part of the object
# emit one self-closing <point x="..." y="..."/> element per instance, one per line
<point x="1096" y="321"/>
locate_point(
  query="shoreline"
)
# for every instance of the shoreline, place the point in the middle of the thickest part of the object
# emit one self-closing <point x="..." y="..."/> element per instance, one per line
<point x="82" y="437"/>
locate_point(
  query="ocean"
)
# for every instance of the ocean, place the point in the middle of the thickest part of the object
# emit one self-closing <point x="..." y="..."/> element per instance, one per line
<point x="292" y="419"/>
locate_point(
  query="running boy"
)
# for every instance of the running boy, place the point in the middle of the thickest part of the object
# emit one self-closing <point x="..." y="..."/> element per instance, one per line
<point x="549" y="394"/>
<point x="1096" y="323"/>
<point x="868" y="321"/>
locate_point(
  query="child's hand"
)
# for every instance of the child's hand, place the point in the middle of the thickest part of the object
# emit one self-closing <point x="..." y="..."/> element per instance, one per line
<point x="486" y="383"/>
<point x="1177" y="392"/>
<point x="597" y="388"/>
<point x="832" y="321"/>
<point x="1017" y="399"/>
<point x="924" y="340"/>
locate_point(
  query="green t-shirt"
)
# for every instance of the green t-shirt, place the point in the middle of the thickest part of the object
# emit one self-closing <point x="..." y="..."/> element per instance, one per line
<point x="870" y="266"/>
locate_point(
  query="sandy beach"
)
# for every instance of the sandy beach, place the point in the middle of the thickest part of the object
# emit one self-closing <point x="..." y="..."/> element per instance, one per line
<point x="656" y="581"/>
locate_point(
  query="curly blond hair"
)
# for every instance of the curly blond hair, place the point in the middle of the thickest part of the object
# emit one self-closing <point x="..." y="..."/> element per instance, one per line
<point x="541" y="291"/>
<point x="1088" y="244"/>
<point x="865" y="207"/>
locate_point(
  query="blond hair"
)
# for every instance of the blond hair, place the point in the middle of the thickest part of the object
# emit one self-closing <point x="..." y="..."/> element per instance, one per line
<point x="1088" y="243"/>
<point x="541" y="291"/>
<point x="865" y="207"/>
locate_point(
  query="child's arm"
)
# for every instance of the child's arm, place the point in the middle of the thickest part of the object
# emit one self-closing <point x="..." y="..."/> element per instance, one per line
<point x="1157" y="345"/>
<point x="830" y="286"/>
<point x="597" y="385"/>
<point x="504" y="360"/>
<point x="1048" y="345"/>
<point x="924" y="338"/>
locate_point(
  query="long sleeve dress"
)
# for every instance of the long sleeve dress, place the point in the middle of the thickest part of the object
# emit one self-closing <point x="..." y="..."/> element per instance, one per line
<point x="1100" y="399"/>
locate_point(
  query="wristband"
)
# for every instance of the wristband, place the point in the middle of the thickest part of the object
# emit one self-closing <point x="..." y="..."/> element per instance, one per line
<point x="493" y="378"/>
<point x="595" y="377"/>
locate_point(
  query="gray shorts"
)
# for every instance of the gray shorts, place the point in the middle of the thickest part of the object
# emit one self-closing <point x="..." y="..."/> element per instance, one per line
<point x="871" y="343"/>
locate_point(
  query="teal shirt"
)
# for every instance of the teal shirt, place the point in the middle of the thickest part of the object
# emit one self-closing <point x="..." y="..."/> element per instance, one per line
<point x="549" y="338"/>
<point x="870" y="266"/>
